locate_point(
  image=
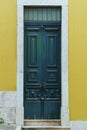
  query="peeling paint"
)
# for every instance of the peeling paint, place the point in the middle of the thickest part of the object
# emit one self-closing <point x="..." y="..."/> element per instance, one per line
<point x="8" y="115"/>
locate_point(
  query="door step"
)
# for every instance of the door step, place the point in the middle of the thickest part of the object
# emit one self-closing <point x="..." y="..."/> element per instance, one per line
<point x="42" y="123"/>
<point x="55" y="128"/>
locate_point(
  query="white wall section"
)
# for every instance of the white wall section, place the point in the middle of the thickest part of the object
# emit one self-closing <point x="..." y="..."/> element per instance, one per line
<point x="78" y="125"/>
<point x="8" y="107"/>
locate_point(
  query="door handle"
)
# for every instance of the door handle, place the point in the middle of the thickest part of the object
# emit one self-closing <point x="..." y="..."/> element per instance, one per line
<point x="44" y="84"/>
<point x="42" y="99"/>
<point x="40" y="85"/>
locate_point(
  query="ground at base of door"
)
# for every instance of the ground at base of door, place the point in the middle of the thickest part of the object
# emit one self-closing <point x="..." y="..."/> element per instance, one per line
<point x="7" y="127"/>
<point x="14" y="127"/>
<point x="46" y="129"/>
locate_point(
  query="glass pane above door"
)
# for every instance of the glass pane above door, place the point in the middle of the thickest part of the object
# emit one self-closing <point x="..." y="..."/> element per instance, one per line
<point x="42" y="14"/>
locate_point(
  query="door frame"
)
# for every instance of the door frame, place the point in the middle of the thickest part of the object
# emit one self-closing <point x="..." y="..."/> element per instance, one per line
<point x="64" y="57"/>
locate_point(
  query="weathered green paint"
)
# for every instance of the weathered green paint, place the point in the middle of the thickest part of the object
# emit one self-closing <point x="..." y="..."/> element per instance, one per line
<point x="42" y="71"/>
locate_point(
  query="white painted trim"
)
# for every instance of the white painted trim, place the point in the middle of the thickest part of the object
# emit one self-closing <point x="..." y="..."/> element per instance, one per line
<point x="78" y="125"/>
<point x="19" y="107"/>
<point x="45" y="2"/>
<point x="64" y="50"/>
<point x="64" y="63"/>
<point x="42" y="3"/>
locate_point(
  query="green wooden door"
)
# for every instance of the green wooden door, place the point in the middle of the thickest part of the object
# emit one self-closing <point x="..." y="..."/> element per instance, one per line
<point x="42" y="71"/>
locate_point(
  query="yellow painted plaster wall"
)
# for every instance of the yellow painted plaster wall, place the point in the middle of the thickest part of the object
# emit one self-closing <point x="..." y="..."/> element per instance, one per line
<point x="7" y="45"/>
<point x="78" y="59"/>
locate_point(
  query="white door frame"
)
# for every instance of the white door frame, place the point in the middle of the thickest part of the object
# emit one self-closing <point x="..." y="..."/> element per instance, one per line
<point x="64" y="57"/>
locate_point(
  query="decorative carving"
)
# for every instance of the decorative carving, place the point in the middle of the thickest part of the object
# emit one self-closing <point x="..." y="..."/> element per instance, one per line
<point x="32" y="93"/>
<point x="51" y="93"/>
<point x="38" y="93"/>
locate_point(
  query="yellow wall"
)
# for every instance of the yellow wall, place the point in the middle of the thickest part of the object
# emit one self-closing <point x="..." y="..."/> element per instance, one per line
<point x="78" y="59"/>
<point x="77" y="53"/>
<point x="7" y="45"/>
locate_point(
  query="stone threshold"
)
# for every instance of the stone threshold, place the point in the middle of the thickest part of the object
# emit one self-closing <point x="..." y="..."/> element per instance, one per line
<point x="46" y="127"/>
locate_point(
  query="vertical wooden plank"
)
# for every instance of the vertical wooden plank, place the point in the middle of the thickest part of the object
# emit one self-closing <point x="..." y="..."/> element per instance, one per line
<point x="58" y="14"/>
<point x="35" y="14"/>
<point x="53" y="15"/>
<point x="49" y="14"/>
<point x="44" y="14"/>
<point x="26" y="14"/>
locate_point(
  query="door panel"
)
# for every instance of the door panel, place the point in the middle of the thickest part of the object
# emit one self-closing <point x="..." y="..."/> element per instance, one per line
<point x="52" y="72"/>
<point x="51" y="110"/>
<point x="32" y="73"/>
<point x="42" y="71"/>
<point x="32" y="109"/>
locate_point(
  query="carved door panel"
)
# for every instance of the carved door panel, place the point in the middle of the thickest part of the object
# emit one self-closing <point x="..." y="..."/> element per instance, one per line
<point x="42" y="71"/>
<point x="52" y="72"/>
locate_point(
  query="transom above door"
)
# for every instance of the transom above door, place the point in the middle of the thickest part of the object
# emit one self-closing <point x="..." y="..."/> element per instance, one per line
<point x="42" y="70"/>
